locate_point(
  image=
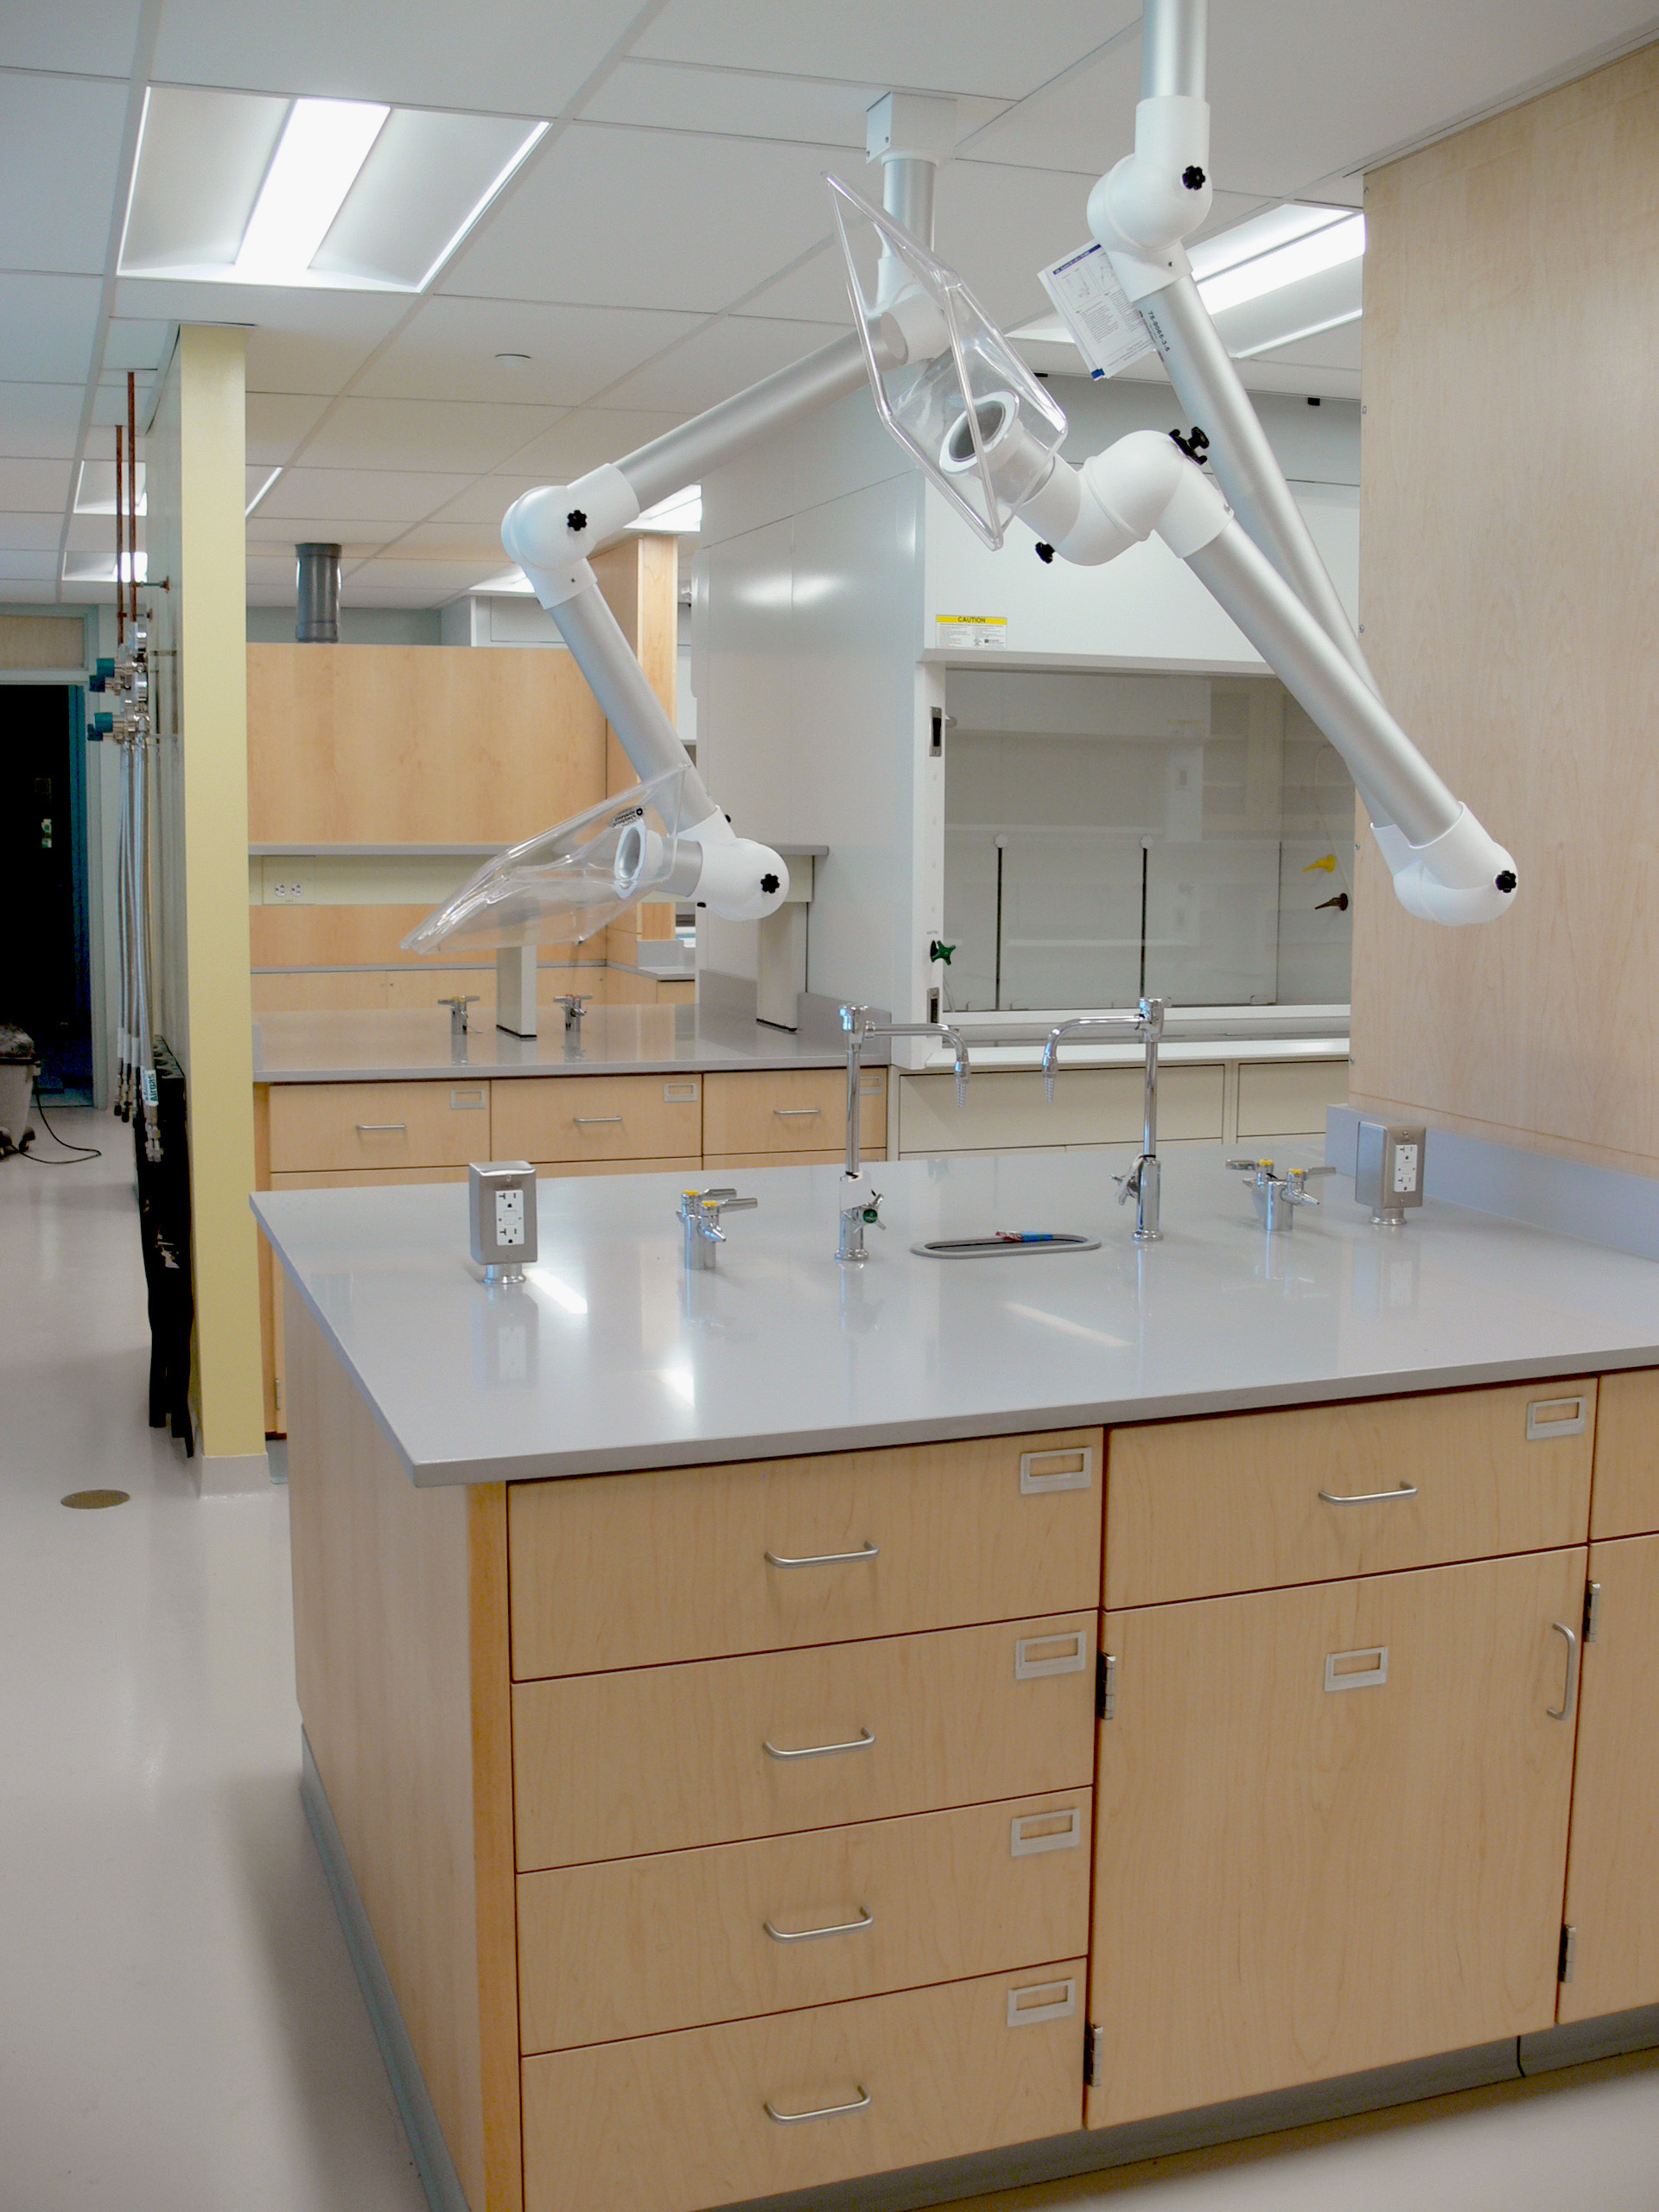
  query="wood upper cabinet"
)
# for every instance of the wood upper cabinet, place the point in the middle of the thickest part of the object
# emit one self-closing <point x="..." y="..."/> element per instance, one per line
<point x="1252" y="1501"/>
<point x="419" y="745"/>
<point x="1626" y="1498"/>
<point x="1612" y="1880"/>
<point x="1331" y="1827"/>
<point x="614" y="1571"/>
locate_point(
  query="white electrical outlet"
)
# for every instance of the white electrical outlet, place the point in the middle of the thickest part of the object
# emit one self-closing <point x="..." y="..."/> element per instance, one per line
<point x="510" y="1216"/>
<point x="502" y="1206"/>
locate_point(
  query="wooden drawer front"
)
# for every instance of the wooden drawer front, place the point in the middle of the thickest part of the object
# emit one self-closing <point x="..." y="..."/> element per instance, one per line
<point x="614" y="1571"/>
<point x="690" y="1167"/>
<point x="1254" y="1501"/>
<point x="1625" y="1498"/>
<point x="599" y="1118"/>
<point x="663" y="1758"/>
<point x="790" y="1109"/>
<point x="1279" y="1098"/>
<point x="637" y="1946"/>
<point x="749" y="1163"/>
<point x="1005" y="1110"/>
<point x="675" y="2123"/>
<point x="436" y="1124"/>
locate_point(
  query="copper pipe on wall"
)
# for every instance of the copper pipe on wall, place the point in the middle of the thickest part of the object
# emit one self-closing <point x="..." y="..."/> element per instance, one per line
<point x="120" y="533"/>
<point x="132" y="494"/>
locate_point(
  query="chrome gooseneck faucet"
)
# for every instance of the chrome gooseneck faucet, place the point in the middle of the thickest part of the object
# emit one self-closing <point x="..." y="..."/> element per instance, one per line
<point x="861" y="1208"/>
<point x="1143" y="1181"/>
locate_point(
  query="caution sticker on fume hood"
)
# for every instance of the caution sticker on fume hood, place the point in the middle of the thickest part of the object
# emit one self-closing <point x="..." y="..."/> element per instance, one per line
<point x="954" y="631"/>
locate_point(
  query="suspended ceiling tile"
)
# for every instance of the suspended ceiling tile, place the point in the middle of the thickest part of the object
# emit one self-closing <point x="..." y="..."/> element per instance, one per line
<point x="726" y="358"/>
<point x="946" y="46"/>
<point x="488" y="498"/>
<point x="298" y="341"/>
<point x="448" y="541"/>
<point x="435" y="580"/>
<point x="360" y="539"/>
<point x="351" y="496"/>
<point x="594" y="436"/>
<point x="35" y="486"/>
<point x="1328" y="349"/>
<point x="67" y="131"/>
<point x="449" y="351"/>
<point x="40" y="420"/>
<point x="80" y="37"/>
<point x="515" y="57"/>
<point x="46" y="328"/>
<point x="130" y="344"/>
<point x="998" y="227"/>
<point x="277" y="421"/>
<point x="623" y="218"/>
<point x="29" y="533"/>
<point x="816" y="291"/>
<point x="424" y="434"/>
<point x="1299" y="89"/>
<point x="37" y="569"/>
<point x="741" y="104"/>
<point x="1084" y="123"/>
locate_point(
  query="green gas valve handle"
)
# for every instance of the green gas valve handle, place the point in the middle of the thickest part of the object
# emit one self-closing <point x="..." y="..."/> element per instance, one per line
<point x="939" y="950"/>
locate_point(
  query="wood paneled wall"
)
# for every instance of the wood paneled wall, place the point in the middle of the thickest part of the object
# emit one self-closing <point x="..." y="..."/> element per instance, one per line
<point x="1510" y="564"/>
<point x="417" y="745"/>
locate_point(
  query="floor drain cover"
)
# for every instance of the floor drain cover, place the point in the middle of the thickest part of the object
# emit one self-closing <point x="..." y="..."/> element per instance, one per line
<point x="93" y="1497"/>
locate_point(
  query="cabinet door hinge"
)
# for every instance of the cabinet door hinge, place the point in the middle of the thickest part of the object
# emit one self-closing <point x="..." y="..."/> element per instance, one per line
<point x="1091" y="2037"/>
<point x="1569" y="1953"/>
<point x="1592" y="1611"/>
<point x="1105" y="1685"/>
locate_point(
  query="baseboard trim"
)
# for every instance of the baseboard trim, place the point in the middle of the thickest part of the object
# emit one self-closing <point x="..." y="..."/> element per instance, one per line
<point x="230" y="1474"/>
<point x="427" y="2147"/>
<point x="1579" y="2041"/>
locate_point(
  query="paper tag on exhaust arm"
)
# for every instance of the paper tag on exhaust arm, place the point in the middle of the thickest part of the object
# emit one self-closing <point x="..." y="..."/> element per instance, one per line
<point x="1094" y="307"/>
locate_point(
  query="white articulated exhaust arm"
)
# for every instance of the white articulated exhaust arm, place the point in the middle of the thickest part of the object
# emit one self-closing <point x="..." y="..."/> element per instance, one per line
<point x="1446" y="867"/>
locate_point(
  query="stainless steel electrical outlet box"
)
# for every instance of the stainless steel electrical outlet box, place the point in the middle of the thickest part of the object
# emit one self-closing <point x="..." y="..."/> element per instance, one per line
<point x="502" y="1203"/>
<point x="1388" y="1170"/>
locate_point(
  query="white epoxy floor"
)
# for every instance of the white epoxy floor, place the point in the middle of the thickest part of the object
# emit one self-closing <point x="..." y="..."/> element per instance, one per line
<point x="180" y="2028"/>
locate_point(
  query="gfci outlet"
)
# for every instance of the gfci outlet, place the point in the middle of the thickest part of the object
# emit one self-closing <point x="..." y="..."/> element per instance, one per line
<point x="510" y="1216"/>
<point x="501" y="1203"/>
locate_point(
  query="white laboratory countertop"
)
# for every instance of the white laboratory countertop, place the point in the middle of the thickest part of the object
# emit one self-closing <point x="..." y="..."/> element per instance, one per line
<point x="1173" y="1052"/>
<point x="394" y="1046"/>
<point x="609" y="1356"/>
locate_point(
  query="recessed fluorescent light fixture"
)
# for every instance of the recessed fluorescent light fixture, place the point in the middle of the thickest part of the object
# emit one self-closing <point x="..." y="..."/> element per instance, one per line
<point x="261" y="492"/>
<point x="1328" y="247"/>
<point x="680" y="514"/>
<point x="344" y="195"/>
<point x="323" y="146"/>
<point x="510" y="580"/>
<point x="99" y="567"/>
<point x="95" y="488"/>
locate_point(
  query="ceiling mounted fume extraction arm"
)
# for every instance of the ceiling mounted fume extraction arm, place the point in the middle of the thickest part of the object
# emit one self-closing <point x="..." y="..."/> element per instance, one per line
<point x="668" y="837"/>
<point x="987" y="433"/>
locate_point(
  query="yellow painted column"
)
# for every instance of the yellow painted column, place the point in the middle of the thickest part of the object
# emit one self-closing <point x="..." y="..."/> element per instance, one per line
<point x="195" y="477"/>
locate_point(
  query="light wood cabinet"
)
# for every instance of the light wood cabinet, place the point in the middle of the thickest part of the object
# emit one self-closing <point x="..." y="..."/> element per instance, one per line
<point x="633" y="1947"/>
<point x="340" y="1125"/>
<point x="1626" y="1497"/>
<point x="1331" y="1827"/>
<point x="673" y="1756"/>
<point x="599" y="1117"/>
<point x="1613" y="1896"/>
<point x="1282" y="1098"/>
<point x="1250" y="1501"/>
<point x="785" y="1110"/>
<point x="614" y="1571"/>
<point x="715" y="2116"/>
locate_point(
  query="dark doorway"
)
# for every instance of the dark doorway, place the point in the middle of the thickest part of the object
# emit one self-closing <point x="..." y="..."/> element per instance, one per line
<point x="45" y="967"/>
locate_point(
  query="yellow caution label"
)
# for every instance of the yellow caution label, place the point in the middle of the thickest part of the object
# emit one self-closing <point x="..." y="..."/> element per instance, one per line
<point x="954" y="631"/>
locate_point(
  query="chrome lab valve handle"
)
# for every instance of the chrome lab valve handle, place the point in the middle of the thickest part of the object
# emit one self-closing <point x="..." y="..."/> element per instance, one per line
<point x="862" y="1212"/>
<point x="700" y="1213"/>
<point x="1277" y="1197"/>
<point x="576" y="1005"/>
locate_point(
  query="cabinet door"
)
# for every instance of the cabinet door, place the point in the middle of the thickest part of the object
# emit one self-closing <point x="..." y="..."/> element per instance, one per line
<point x="1330" y="1829"/>
<point x="1612" y="1899"/>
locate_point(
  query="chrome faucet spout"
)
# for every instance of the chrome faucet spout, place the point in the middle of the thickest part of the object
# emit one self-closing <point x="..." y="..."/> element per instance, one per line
<point x="1144" y="1179"/>
<point x="859" y="1023"/>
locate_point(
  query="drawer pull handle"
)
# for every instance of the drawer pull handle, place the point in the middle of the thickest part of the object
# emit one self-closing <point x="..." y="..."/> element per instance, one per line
<point x="1030" y="1833"/>
<point x="1548" y="1417"/>
<point x="1366" y="1668"/>
<point x="1065" y="1654"/>
<point x="467" y="1102"/>
<point x="1368" y="1496"/>
<point x="1042" y="2000"/>
<point x="1570" y="1690"/>
<point x="866" y="1550"/>
<point x="595" y="1121"/>
<point x="862" y="1742"/>
<point x="861" y="2103"/>
<point x="866" y="1919"/>
<point x="679" y="1094"/>
<point x="1072" y="1467"/>
<point x="798" y="1113"/>
<point x="382" y="1129"/>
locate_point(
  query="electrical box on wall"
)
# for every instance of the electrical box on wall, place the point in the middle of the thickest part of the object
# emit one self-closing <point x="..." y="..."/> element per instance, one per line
<point x="1389" y="1171"/>
<point x="501" y="1201"/>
